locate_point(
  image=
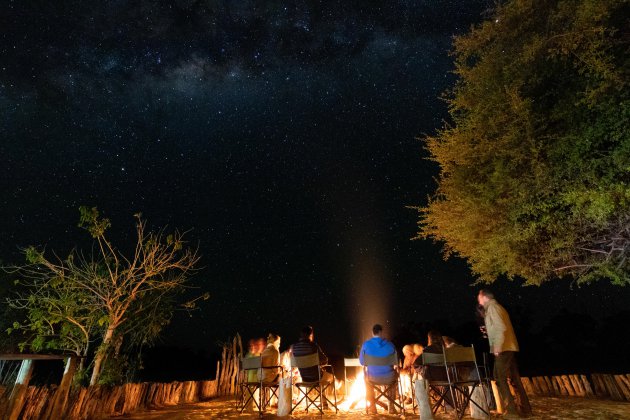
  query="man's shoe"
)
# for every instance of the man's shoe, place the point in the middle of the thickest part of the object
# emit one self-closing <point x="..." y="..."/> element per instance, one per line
<point x="371" y="410"/>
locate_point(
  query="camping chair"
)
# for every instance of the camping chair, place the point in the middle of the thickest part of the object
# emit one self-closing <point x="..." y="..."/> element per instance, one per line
<point x="460" y="379"/>
<point x="465" y="378"/>
<point x="313" y="393"/>
<point x="248" y="385"/>
<point x="391" y="391"/>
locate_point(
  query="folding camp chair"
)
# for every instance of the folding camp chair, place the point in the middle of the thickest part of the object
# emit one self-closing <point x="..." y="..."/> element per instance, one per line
<point x="460" y="380"/>
<point x="313" y="393"/>
<point x="249" y="385"/>
<point x="391" y="391"/>
<point x="250" y="370"/>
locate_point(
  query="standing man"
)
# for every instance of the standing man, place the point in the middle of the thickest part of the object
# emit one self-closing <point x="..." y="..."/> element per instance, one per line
<point x="504" y="346"/>
<point x="378" y="375"/>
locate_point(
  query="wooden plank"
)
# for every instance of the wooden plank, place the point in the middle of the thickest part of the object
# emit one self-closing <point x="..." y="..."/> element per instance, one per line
<point x="577" y="385"/>
<point x="535" y="387"/>
<point x="600" y="388"/>
<point x="549" y="383"/>
<point x="623" y="385"/>
<point x="611" y="387"/>
<point x="555" y="386"/>
<point x="560" y="385"/>
<point x="588" y="390"/>
<point x="527" y="385"/>
<point x="567" y="385"/>
<point x="25" y="356"/>
<point x="542" y="385"/>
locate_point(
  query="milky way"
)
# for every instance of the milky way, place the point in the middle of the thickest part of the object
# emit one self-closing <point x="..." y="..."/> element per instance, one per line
<point x="285" y="136"/>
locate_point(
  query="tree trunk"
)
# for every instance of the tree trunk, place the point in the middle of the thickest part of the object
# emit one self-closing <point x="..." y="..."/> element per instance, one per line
<point x="100" y="356"/>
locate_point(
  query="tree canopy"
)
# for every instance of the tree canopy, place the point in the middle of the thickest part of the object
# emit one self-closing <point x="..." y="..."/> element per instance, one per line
<point x="535" y="165"/>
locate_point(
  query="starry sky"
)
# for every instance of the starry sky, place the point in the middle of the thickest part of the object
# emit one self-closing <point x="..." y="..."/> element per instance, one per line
<point x="285" y="135"/>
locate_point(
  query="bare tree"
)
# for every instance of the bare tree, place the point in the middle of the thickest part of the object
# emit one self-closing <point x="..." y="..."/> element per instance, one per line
<point x="110" y="289"/>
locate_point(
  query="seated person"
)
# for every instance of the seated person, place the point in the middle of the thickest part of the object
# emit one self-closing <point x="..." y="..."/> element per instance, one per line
<point x="378" y="375"/>
<point x="255" y="346"/>
<point x="410" y="352"/>
<point x="430" y="372"/>
<point x="305" y="346"/>
<point x="270" y="356"/>
<point x="435" y="345"/>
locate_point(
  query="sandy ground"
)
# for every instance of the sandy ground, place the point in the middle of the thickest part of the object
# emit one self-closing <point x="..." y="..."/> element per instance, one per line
<point x="544" y="408"/>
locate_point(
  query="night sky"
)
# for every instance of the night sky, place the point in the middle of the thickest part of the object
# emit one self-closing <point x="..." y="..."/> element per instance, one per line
<point x="286" y="135"/>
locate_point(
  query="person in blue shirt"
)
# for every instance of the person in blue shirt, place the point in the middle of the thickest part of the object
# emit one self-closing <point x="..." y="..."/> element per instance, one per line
<point x="378" y="375"/>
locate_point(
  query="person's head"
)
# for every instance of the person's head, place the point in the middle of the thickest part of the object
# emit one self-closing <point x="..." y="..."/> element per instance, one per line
<point x="484" y="296"/>
<point x="417" y="349"/>
<point x="377" y="330"/>
<point x="448" y="341"/>
<point x="407" y="350"/>
<point x="307" y="333"/>
<point x="261" y="343"/>
<point x="435" y="338"/>
<point x="274" y="340"/>
<point x="251" y="345"/>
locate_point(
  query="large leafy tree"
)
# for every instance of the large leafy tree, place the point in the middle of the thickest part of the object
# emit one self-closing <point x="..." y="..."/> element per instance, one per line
<point x="106" y="297"/>
<point x="535" y="165"/>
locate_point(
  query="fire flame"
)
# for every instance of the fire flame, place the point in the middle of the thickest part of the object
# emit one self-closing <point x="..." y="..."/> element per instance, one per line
<point x="356" y="394"/>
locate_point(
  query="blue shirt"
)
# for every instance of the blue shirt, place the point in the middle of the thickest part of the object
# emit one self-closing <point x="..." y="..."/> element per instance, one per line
<point x="378" y="347"/>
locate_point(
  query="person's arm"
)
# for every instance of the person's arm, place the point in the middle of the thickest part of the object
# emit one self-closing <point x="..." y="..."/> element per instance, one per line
<point x="323" y="360"/>
<point x="496" y="329"/>
<point x="361" y="353"/>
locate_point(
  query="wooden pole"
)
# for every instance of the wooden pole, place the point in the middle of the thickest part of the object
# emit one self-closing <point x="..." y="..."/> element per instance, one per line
<point x="527" y="385"/>
<point x="60" y="400"/>
<point x="587" y="386"/>
<point x="16" y="400"/>
<point x="567" y="385"/>
<point x="497" y="397"/>
<point x="548" y="381"/>
<point x="612" y="388"/>
<point x="623" y="385"/>
<point x="600" y="389"/>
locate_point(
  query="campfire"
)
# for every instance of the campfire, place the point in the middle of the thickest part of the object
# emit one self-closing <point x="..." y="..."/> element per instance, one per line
<point x="356" y="393"/>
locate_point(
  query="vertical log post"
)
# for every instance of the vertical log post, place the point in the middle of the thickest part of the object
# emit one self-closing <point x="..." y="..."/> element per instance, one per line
<point x="587" y="386"/>
<point x="60" y="399"/>
<point x="497" y="397"/>
<point x="16" y="400"/>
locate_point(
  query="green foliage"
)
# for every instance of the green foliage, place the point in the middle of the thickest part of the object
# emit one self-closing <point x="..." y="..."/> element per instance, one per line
<point x="535" y="169"/>
<point x="91" y="221"/>
<point x="105" y="304"/>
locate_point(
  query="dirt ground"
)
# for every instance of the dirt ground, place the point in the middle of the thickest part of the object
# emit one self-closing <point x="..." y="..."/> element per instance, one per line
<point x="544" y="408"/>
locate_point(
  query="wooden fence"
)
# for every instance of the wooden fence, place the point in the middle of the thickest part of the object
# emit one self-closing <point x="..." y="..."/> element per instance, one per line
<point x="615" y="387"/>
<point x="37" y="403"/>
<point x="100" y="401"/>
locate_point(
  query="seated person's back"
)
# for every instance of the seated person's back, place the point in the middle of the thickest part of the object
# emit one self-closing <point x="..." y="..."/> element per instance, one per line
<point x="306" y="346"/>
<point x="436" y="346"/>
<point x="270" y="356"/>
<point x="378" y="347"/>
